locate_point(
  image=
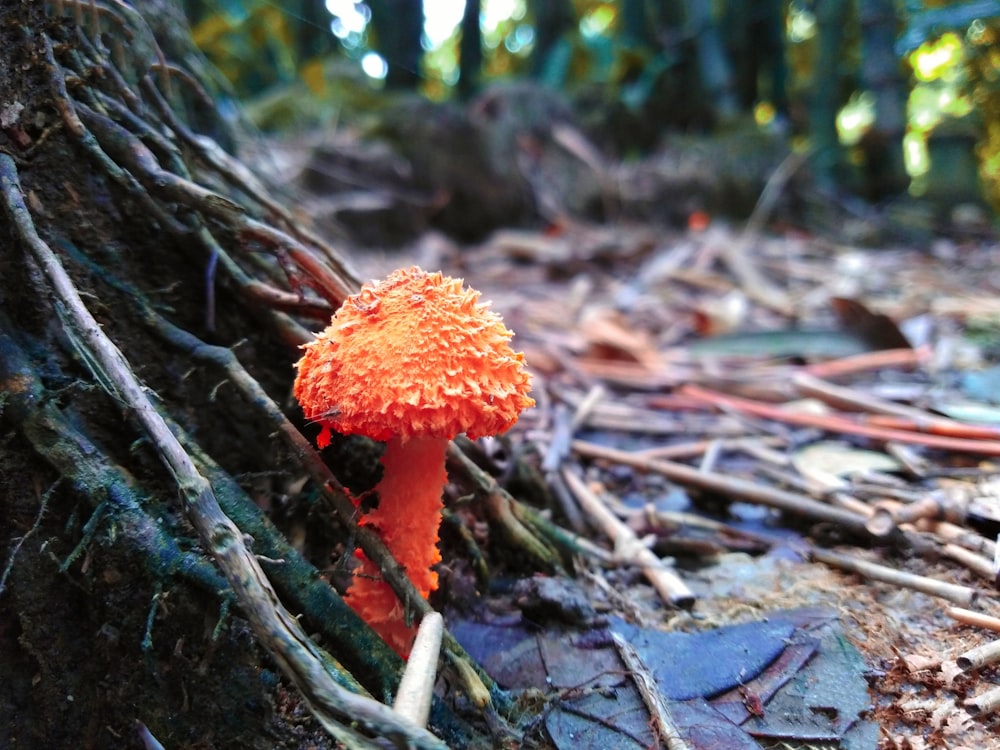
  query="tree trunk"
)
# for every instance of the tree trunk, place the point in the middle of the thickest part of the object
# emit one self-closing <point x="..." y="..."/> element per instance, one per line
<point x="398" y="25"/>
<point x="713" y="62"/>
<point x="885" y="168"/>
<point x="831" y="18"/>
<point x="153" y="295"/>
<point x="470" y="53"/>
<point x="550" y="57"/>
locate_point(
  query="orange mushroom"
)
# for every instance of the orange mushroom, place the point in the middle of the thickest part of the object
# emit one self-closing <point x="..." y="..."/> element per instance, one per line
<point x="413" y="360"/>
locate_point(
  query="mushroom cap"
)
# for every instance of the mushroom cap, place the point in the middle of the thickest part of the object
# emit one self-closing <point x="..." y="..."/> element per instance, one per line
<point x="414" y="355"/>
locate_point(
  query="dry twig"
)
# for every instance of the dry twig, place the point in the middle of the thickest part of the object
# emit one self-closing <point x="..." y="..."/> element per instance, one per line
<point x="628" y="548"/>
<point x="980" y="656"/>
<point x="963" y="595"/>
<point x="985" y="704"/>
<point x="734" y="487"/>
<point x="894" y="416"/>
<point x="978" y="619"/>
<point x="416" y="688"/>
<point x="666" y="728"/>
<point x="842" y="425"/>
<point x="867" y="362"/>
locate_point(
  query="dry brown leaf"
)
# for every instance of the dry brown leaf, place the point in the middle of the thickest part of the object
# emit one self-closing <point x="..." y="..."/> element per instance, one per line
<point x="609" y="335"/>
<point x="921" y="663"/>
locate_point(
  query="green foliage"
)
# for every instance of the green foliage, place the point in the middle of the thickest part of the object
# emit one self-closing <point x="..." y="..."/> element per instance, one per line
<point x="251" y="43"/>
<point x="983" y="64"/>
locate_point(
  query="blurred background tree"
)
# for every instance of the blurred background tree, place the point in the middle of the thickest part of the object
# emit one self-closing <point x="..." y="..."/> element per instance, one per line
<point x="889" y="98"/>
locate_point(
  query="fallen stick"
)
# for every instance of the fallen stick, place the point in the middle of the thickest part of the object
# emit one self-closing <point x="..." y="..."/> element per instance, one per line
<point x="839" y="424"/>
<point x="960" y="536"/>
<point x="978" y="619"/>
<point x="978" y="564"/>
<point x="950" y="591"/>
<point x="732" y="487"/>
<point x="867" y="362"/>
<point x="980" y="656"/>
<point x="984" y="704"/>
<point x="890" y="414"/>
<point x="888" y="515"/>
<point x="416" y="688"/>
<point x="628" y="548"/>
<point x="663" y="722"/>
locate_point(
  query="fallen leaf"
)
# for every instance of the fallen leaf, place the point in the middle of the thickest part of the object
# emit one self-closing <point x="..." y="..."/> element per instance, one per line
<point x="829" y="462"/>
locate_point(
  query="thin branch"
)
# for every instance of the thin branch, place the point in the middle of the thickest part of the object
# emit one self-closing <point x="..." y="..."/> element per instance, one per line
<point x="963" y="595"/>
<point x="500" y="506"/>
<point x="736" y="254"/>
<point x="985" y="704"/>
<point x="43" y="504"/>
<point x="64" y="105"/>
<point x="734" y="487"/>
<point x="905" y="417"/>
<point x="666" y="728"/>
<point x="976" y="619"/>
<point x="413" y="699"/>
<point x="628" y="548"/>
<point x="867" y="362"/>
<point x="979" y="657"/>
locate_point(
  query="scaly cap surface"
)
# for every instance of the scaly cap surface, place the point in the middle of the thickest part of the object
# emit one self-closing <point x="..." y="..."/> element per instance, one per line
<point x="414" y="355"/>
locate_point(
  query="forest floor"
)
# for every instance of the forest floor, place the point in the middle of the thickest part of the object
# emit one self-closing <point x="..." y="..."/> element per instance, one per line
<point x="775" y="364"/>
<point x="731" y="423"/>
<point x="755" y="505"/>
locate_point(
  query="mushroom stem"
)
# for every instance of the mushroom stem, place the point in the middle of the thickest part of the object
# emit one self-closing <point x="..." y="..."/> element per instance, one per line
<point x="407" y="518"/>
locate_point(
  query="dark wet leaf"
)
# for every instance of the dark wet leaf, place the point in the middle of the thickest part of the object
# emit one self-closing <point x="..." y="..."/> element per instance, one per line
<point x="875" y="329"/>
<point x="681" y="664"/>
<point x="809" y="344"/>
<point x="738" y="704"/>
<point x="703" y="727"/>
<point x="793" y="677"/>
<point x="823" y="701"/>
<point x="606" y="719"/>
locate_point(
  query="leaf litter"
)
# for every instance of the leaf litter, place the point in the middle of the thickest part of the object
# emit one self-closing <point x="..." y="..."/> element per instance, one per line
<point x="856" y="391"/>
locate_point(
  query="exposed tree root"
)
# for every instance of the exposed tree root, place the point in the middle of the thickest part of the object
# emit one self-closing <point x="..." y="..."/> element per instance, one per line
<point x="129" y="231"/>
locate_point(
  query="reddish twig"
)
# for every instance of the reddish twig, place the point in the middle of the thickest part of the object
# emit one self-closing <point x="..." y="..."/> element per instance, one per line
<point x="932" y="425"/>
<point x="334" y="287"/>
<point x="889" y="414"/>
<point x="838" y="424"/>
<point x="879" y="360"/>
<point x="976" y="619"/>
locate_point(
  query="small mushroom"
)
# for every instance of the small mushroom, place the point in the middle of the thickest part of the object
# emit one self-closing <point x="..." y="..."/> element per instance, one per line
<point x="413" y="360"/>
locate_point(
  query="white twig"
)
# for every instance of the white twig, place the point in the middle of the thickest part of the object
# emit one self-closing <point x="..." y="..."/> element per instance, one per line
<point x="963" y="595"/>
<point x="628" y="548"/>
<point x="984" y="704"/>
<point x="980" y="656"/>
<point x="413" y="698"/>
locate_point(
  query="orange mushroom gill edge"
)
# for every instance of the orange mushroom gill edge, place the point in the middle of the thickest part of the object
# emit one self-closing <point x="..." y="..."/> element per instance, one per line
<point x="412" y="360"/>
